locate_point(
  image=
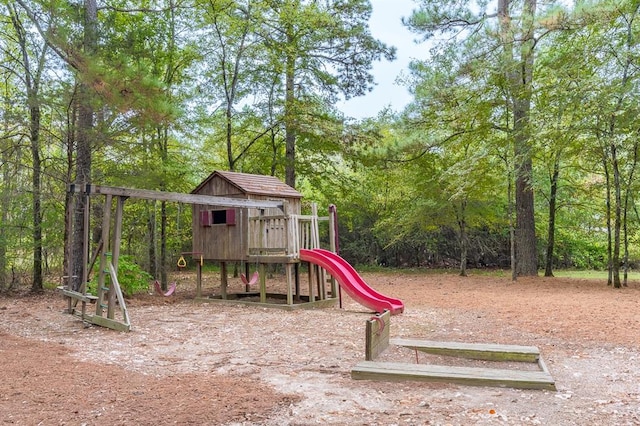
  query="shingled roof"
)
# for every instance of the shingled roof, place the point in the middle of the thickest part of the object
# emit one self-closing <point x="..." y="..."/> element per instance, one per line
<point x="254" y="184"/>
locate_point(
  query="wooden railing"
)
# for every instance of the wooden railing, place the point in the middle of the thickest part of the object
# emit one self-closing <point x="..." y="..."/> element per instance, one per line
<point x="283" y="235"/>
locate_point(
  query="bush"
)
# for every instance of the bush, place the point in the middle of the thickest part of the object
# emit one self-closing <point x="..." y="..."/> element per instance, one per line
<point x="132" y="278"/>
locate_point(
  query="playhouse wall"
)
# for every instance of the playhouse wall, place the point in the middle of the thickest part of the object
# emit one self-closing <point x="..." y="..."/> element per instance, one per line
<point x="228" y="241"/>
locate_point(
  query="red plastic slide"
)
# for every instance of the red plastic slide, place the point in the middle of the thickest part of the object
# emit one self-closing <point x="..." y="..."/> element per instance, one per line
<point x="351" y="281"/>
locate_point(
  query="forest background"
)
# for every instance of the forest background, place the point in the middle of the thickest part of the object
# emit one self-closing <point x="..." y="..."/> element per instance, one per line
<point x="518" y="151"/>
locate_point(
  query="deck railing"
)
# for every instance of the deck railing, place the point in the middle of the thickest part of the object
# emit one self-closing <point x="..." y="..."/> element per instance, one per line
<point x="283" y="235"/>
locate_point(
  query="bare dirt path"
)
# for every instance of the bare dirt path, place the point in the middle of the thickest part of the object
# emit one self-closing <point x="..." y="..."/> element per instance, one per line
<point x="190" y="363"/>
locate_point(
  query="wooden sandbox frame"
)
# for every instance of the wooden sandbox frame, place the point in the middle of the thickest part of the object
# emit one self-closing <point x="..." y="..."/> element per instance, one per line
<point x="377" y="340"/>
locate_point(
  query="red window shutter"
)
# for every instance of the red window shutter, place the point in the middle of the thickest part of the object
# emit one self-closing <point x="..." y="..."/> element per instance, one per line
<point x="205" y="218"/>
<point x="231" y="217"/>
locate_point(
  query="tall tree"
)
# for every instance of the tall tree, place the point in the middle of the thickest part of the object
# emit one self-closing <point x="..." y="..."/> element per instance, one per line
<point x="31" y="77"/>
<point x="322" y="49"/>
<point x="512" y="31"/>
<point x="83" y="138"/>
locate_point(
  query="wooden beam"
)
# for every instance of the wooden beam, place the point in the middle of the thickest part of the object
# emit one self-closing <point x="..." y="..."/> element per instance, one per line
<point x="108" y="323"/>
<point x="377" y="335"/>
<point x="490" y="352"/>
<point x="206" y="200"/>
<point x="387" y="371"/>
<point x="86" y="298"/>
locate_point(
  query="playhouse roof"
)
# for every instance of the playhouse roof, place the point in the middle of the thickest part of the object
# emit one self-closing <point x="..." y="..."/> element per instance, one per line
<point x="253" y="184"/>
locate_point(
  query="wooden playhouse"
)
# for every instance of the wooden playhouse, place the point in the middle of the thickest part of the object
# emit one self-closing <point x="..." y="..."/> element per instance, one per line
<point x="257" y="237"/>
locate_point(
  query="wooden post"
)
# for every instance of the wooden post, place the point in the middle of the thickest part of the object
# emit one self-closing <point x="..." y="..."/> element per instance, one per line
<point x="263" y="283"/>
<point x="247" y="287"/>
<point x="296" y="277"/>
<point x="199" y="278"/>
<point x="334" y="248"/>
<point x="289" y="271"/>
<point x="313" y="277"/>
<point x="377" y="335"/>
<point x="106" y="223"/>
<point x="223" y="280"/>
<point x="115" y="255"/>
<point x="85" y="250"/>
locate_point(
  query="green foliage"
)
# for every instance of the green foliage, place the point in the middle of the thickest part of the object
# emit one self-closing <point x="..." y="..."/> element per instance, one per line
<point x="182" y="91"/>
<point x="132" y="278"/>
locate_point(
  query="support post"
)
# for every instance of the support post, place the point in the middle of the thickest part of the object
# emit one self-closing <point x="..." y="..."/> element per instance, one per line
<point x="85" y="244"/>
<point x="223" y="280"/>
<point x="313" y="277"/>
<point x="106" y="223"/>
<point x="199" y="278"/>
<point x="289" y="273"/>
<point x="115" y="256"/>
<point x="263" y="283"/>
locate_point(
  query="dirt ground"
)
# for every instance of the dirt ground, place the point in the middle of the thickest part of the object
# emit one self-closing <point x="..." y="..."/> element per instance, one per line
<point x="211" y="364"/>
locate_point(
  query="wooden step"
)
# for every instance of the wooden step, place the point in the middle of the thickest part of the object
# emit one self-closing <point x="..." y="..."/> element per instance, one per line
<point x="489" y="352"/>
<point x="87" y="298"/>
<point x="388" y="371"/>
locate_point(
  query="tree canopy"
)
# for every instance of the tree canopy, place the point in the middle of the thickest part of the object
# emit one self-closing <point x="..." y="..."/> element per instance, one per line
<point x="519" y="148"/>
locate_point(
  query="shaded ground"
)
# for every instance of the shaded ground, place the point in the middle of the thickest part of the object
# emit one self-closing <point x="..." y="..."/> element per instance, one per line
<point x="191" y="363"/>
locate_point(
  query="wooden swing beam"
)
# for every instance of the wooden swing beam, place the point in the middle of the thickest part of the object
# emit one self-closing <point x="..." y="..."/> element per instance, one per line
<point x="206" y="200"/>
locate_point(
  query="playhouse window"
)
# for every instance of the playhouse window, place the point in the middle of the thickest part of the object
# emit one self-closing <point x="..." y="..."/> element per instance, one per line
<point x="218" y="217"/>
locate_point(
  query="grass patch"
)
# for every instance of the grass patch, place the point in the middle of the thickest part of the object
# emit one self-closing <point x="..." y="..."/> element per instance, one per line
<point x="592" y="275"/>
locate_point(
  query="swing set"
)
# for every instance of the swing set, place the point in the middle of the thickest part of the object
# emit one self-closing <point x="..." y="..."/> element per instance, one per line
<point x="110" y="305"/>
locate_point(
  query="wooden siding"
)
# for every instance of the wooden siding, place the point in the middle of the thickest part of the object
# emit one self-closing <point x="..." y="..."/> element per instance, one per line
<point x="223" y="242"/>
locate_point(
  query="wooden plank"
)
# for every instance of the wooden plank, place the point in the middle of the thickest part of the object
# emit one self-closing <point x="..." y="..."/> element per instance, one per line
<point x="207" y="200"/>
<point x="370" y="370"/>
<point x="109" y="323"/>
<point x="115" y="285"/>
<point x="263" y="282"/>
<point x="490" y="352"/>
<point x="87" y="298"/>
<point x="377" y="335"/>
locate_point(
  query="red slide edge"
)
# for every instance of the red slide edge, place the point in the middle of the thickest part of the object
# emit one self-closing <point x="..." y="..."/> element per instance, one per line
<point x="351" y="281"/>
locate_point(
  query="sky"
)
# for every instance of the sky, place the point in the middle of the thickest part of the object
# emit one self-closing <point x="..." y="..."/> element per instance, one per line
<point x="386" y="26"/>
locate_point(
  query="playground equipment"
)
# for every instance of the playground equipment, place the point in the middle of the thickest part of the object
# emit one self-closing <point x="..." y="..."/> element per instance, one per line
<point x="377" y="340"/>
<point x="351" y="281"/>
<point x="238" y="218"/>
<point x="252" y="281"/>
<point x="170" y="290"/>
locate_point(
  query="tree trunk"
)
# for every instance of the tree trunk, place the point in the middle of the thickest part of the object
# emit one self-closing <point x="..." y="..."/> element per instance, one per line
<point x="32" y="82"/>
<point x="34" y="112"/>
<point x="607" y="177"/>
<point x="512" y="229"/>
<point x="151" y="232"/>
<point x="617" y="218"/>
<point x="551" y="233"/>
<point x="72" y="117"/>
<point x="290" y="117"/>
<point x="83" y="148"/>
<point x="464" y="238"/>
<point x="5" y="202"/>
<point x="163" y="244"/>
<point x="519" y="73"/>
<point x="627" y="196"/>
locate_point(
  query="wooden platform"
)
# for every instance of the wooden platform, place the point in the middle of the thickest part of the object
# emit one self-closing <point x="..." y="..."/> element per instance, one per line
<point x="235" y="299"/>
<point x="377" y="340"/>
<point x="488" y="352"/>
<point x="388" y="371"/>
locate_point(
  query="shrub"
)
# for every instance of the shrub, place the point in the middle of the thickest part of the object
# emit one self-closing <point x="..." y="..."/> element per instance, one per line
<point x="132" y="278"/>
